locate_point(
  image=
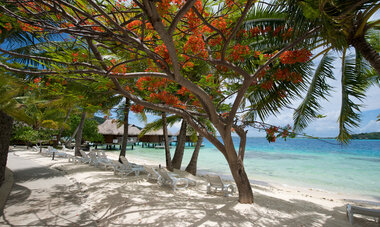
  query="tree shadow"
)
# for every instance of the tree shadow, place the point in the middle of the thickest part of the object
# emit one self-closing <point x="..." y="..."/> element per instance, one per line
<point x="105" y="199"/>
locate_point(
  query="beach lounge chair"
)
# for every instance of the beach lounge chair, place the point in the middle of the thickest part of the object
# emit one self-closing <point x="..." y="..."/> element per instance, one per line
<point x="153" y="175"/>
<point x="351" y="210"/>
<point x="36" y="148"/>
<point x="125" y="161"/>
<point x="83" y="159"/>
<point x="216" y="184"/>
<point x="52" y="151"/>
<point x="127" y="169"/>
<point x="168" y="179"/>
<point x="64" y="148"/>
<point x="101" y="154"/>
<point x="100" y="162"/>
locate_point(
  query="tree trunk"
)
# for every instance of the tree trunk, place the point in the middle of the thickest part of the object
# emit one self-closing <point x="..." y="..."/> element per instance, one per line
<point x="368" y="52"/>
<point x="125" y="133"/>
<point x="78" y="138"/>
<point x="72" y="136"/>
<point x="166" y="141"/>
<point x="180" y="148"/>
<point x="192" y="166"/>
<point x="6" y="123"/>
<point x="63" y="127"/>
<point x="238" y="172"/>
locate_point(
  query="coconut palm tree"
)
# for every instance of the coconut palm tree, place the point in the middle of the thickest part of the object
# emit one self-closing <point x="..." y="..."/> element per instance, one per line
<point x="354" y="77"/>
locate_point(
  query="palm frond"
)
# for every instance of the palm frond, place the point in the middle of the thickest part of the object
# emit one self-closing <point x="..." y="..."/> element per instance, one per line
<point x="354" y="84"/>
<point x="318" y="89"/>
<point x="158" y="124"/>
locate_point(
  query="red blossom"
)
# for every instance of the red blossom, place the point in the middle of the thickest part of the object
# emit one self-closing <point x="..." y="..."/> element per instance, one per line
<point x="137" y="108"/>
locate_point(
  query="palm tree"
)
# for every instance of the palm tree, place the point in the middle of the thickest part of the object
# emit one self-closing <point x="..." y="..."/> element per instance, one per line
<point x="354" y="77"/>
<point x="343" y="24"/>
<point x="161" y="124"/>
<point x="127" y="107"/>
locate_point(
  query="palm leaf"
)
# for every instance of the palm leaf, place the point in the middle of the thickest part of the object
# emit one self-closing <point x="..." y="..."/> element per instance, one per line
<point x="354" y="84"/>
<point x="307" y="110"/>
<point x="158" y="124"/>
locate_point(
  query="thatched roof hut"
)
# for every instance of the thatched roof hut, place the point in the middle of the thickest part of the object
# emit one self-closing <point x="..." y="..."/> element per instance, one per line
<point x="113" y="133"/>
<point x="155" y="136"/>
<point x="188" y="137"/>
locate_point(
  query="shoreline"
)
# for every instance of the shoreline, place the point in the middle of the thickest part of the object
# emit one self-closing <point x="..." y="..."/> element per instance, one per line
<point x="316" y="192"/>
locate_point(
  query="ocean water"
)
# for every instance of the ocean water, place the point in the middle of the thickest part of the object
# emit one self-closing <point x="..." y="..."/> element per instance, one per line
<point x="311" y="163"/>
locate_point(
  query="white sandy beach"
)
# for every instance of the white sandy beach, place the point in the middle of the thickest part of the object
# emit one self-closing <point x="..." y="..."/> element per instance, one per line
<point x="97" y="197"/>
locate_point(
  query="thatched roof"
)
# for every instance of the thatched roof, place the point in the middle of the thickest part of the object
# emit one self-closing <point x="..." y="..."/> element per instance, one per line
<point x="159" y="132"/>
<point x="187" y="133"/>
<point x="110" y="127"/>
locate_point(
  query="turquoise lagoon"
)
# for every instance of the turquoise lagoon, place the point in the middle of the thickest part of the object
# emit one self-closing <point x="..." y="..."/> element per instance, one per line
<point x="311" y="163"/>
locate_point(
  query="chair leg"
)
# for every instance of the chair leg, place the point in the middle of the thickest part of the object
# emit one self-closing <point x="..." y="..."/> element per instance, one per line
<point x="350" y="215"/>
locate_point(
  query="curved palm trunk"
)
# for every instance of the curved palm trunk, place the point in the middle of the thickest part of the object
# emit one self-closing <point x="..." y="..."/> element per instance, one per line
<point x="192" y="166"/>
<point x="5" y="135"/>
<point x="67" y="143"/>
<point x="166" y="141"/>
<point x="180" y="148"/>
<point x="61" y="130"/>
<point x="125" y="133"/>
<point x="78" y="138"/>
<point x="368" y="52"/>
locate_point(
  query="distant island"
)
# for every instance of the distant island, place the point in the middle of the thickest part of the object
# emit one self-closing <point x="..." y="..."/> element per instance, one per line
<point x="363" y="136"/>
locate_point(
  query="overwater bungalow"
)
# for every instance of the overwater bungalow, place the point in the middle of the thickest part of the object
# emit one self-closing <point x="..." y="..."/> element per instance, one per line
<point x="188" y="142"/>
<point x="155" y="138"/>
<point x="113" y="133"/>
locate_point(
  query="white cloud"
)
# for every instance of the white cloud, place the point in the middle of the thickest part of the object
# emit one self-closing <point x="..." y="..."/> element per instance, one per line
<point x="372" y="126"/>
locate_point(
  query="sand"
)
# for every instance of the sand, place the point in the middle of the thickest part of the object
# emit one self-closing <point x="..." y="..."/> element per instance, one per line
<point x="97" y="197"/>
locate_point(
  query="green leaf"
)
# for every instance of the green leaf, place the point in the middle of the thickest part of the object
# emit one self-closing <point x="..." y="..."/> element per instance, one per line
<point x="319" y="88"/>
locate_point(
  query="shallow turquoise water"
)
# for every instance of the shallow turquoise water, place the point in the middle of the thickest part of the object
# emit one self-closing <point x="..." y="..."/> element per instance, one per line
<point x="354" y="168"/>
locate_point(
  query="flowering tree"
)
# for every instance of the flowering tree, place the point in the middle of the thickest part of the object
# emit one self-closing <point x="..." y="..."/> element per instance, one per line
<point x="162" y="44"/>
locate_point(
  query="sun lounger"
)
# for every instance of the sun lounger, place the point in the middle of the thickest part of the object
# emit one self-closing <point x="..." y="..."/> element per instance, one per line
<point x="101" y="154"/>
<point x="216" y="184"/>
<point x="100" y="162"/>
<point x="36" y="148"/>
<point x="125" y="161"/>
<point x="52" y="151"/>
<point x="153" y="175"/>
<point x="351" y="210"/>
<point x="64" y="148"/>
<point x="83" y="159"/>
<point x="123" y="169"/>
<point x="166" y="179"/>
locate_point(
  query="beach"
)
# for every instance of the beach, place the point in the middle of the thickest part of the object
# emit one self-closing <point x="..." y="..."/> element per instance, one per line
<point x="96" y="197"/>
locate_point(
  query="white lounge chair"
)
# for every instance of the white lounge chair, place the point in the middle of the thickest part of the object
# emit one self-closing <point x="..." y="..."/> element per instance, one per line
<point x="125" y="161"/>
<point x="166" y="179"/>
<point x="127" y="169"/>
<point x="83" y="159"/>
<point x="64" y="148"/>
<point x="101" y="154"/>
<point x="100" y="162"/>
<point x="351" y="210"/>
<point x="52" y="151"/>
<point x="36" y="148"/>
<point x="216" y="184"/>
<point x="153" y="175"/>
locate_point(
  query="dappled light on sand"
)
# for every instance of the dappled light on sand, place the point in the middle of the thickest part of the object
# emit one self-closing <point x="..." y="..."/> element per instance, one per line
<point x="96" y="197"/>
